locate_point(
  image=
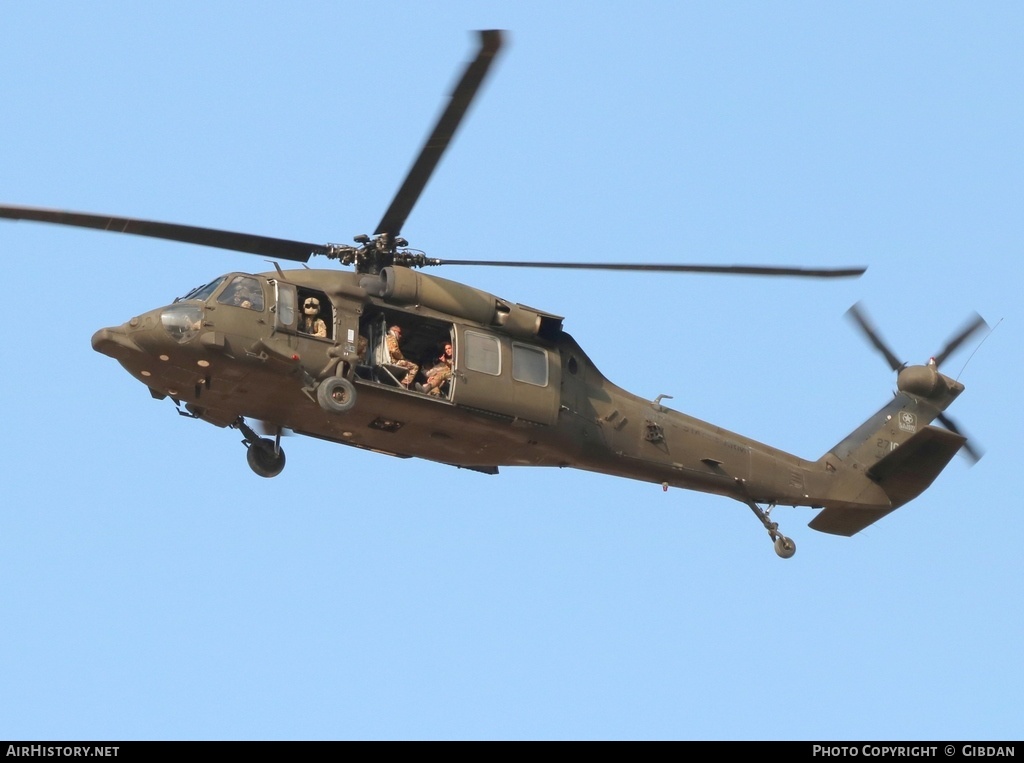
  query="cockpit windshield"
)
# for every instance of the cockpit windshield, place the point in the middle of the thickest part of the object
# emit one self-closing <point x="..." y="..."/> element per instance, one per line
<point x="203" y="292"/>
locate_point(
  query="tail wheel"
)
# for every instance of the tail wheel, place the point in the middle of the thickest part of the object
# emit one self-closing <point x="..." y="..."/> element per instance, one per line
<point x="265" y="458"/>
<point x="784" y="547"/>
<point x="336" y="394"/>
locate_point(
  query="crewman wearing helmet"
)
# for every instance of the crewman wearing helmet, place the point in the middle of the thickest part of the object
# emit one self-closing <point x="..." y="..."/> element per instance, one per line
<point x="312" y="323"/>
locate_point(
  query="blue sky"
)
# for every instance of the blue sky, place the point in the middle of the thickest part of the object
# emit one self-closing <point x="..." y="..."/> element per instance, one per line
<point x="154" y="588"/>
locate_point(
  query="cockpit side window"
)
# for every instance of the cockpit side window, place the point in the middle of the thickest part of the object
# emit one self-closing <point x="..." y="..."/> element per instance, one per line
<point x="243" y="291"/>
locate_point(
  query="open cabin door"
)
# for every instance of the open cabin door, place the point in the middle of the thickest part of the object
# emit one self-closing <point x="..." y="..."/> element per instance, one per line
<point x="511" y="377"/>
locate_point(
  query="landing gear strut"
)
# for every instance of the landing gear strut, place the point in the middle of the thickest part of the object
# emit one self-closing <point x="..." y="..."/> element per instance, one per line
<point x="784" y="546"/>
<point x="264" y="455"/>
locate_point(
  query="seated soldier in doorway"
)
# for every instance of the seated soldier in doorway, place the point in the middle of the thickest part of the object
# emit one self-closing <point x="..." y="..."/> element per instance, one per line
<point x="394" y="339"/>
<point x="439" y="374"/>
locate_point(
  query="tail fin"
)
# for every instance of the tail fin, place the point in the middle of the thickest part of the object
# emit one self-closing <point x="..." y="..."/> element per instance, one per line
<point x="892" y="457"/>
<point x="895" y="455"/>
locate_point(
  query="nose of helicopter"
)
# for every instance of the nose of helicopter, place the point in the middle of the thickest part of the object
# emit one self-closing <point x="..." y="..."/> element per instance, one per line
<point x="146" y="334"/>
<point x="115" y="343"/>
<point x="149" y="346"/>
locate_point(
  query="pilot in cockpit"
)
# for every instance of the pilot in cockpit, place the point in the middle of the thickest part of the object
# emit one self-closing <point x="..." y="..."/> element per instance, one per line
<point x="243" y="292"/>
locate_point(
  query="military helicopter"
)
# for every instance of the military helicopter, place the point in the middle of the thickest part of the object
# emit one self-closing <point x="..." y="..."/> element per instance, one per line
<point x="308" y="351"/>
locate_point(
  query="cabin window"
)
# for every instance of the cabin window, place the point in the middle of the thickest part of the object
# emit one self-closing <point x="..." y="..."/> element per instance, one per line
<point x="243" y="291"/>
<point x="483" y="353"/>
<point x="529" y="365"/>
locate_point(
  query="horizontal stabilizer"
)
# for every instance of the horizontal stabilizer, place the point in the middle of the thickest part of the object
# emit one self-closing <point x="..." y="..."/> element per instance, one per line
<point x="906" y="472"/>
<point x="846" y="521"/>
<point x="903" y="474"/>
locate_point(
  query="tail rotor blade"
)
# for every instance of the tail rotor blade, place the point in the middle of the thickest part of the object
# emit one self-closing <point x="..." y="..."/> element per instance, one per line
<point x="857" y="315"/>
<point x="972" y="453"/>
<point x="970" y="327"/>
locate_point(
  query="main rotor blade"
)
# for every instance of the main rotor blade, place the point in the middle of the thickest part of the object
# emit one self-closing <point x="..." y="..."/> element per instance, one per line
<point x="858" y="316"/>
<point x="750" y="270"/>
<point x="969" y="450"/>
<point x="277" y="248"/>
<point x="972" y="325"/>
<point x="430" y="155"/>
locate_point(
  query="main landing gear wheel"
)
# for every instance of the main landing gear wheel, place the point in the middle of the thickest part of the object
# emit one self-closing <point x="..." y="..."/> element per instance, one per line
<point x="265" y="457"/>
<point x="336" y="394"/>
